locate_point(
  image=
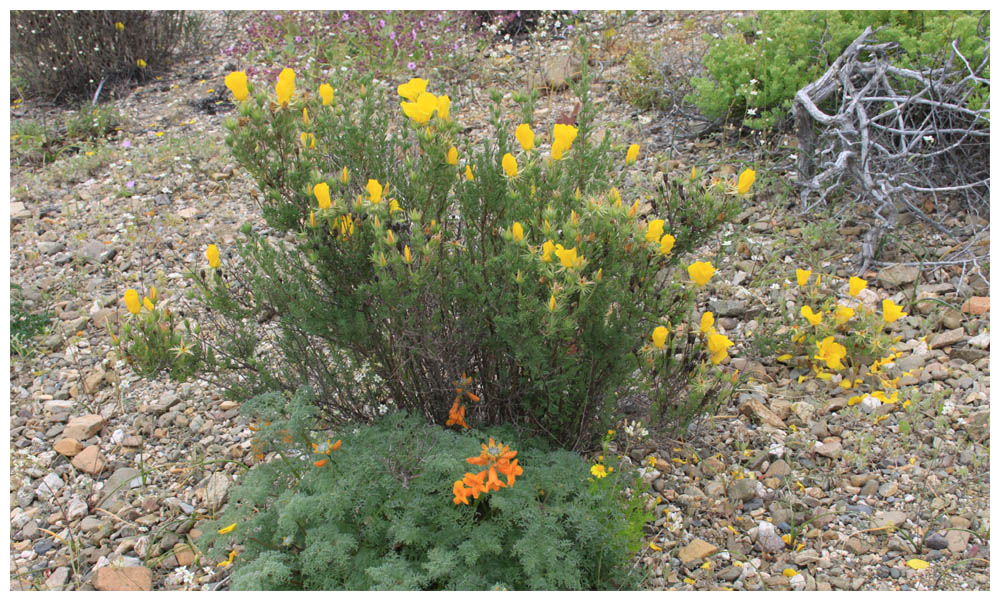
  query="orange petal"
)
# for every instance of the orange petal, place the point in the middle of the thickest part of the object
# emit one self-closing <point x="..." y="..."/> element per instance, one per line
<point x="321" y="462"/>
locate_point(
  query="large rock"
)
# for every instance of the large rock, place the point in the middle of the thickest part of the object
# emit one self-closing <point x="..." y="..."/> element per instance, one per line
<point x="136" y="578"/>
<point x="83" y="427"/>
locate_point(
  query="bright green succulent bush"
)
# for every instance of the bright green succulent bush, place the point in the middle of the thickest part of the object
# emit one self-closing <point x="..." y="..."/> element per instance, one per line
<point x="754" y="72"/>
<point x="375" y="510"/>
<point x="403" y="256"/>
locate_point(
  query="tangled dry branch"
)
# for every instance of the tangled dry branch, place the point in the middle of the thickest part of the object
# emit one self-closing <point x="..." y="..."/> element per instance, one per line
<point x="907" y="139"/>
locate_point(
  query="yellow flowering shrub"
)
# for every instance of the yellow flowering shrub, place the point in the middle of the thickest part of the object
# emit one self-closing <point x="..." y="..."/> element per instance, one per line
<point x="516" y="260"/>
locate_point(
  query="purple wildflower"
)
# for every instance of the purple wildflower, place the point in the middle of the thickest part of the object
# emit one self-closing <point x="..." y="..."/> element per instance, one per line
<point x="298" y="38"/>
<point x="411" y="66"/>
<point x="392" y="35"/>
<point x="126" y="144"/>
<point x="130" y="184"/>
<point x="346" y="17"/>
<point x="381" y="23"/>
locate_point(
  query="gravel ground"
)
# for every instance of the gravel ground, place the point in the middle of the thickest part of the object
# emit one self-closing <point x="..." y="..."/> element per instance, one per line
<point x="111" y="472"/>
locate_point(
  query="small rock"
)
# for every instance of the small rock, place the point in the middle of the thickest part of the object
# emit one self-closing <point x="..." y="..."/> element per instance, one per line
<point x="24" y="496"/>
<point x="90" y="460"/>
<point x="185" y="556"/>
<point x="835" y="404"/>
<point x="83" y="427"/>
<point x="76" y="509"/>
<point x="730" y="574"/>
<point x="50" y="485"/>
<point x="93" y="381"/>
<point x="898" y="276"/>
<point x="947" y="338"/>
<point x="768" y="538"/>
<point x="57" y="580"/>
<point x="755" y="408"/>
<point x="696" y="550"/>
<point x="121" y="480"/>
<point x="855" y="545"/>
<point x="977" y="305"/>
<point x="67" y="447"/>
<point x="111" y="578"/>
<point x="888" y="489"/>
<point x="831" y="448"/>
<point x="90" y="524"/>
<point x="893" y="519"/>
<point x="29" y="530"/>
<point x="936" y="541"/>
<point x="778" y="469"/>
<point x="729" y="307"/>
<point x="742" y="490"/>
<point x="188" y="213"/>
<point x="958" y="540"/>
<point x="559" y="69"/>
<point x="217" y="489"/>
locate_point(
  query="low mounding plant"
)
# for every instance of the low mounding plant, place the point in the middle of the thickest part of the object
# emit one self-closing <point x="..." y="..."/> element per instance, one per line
<point x="754" y="72"/>
<point x="383" y="508"/>
<point x="67" y="54"/>
<point x="151" y="340"/>
<point x="405" y="258"/>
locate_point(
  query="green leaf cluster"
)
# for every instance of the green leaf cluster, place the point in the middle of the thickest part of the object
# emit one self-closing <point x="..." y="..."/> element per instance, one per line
<point x="755" y="71"/>
<point x="380" y="515"/>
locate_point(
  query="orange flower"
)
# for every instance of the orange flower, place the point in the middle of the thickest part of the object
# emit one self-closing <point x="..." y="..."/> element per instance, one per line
<point x="456" y="416"/>
<point x="475" y="482"/>
<point x="493" y="483"/>
<point x="321" y="462"/>
<point x="461" y="493"/>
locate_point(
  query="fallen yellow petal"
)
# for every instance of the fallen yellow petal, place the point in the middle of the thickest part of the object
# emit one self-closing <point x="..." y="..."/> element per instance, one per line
<point x="227" y="529"/>
<point x="918" y="564"/>
<point x="655" y="547"/>
<point x="788" y="572"/>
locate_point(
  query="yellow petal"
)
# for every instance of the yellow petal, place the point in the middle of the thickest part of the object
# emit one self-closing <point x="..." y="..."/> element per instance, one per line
<point x="918" y="564"/>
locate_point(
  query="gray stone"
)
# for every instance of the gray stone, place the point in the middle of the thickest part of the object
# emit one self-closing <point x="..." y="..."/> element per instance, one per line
<point x="936" y="541"/>
<point x="778" y="469"/>
<point x="217" y="489"/>
<point x="96" y="252"/>
<point x="893" y="519"/>
<point x="730" y="574"/>
<point x="24" y="496"/>
<point x="90" y="524"/>
<point x="57" y="580"/>
<point x="947" y="338"/>
<point x="898" y="276"/>
<point x="728" y="307"/>
<point x="30" y="530"/>
<point x="83" y="427"/>
<point x="121" y="480"/>
<point x="742" y="490"/>
<point x="164" y="403"/>
<point x="76" y="509"/>
<point x="51" y="484"/>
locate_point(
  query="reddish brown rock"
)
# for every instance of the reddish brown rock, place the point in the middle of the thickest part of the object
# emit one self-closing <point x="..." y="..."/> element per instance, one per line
<point x="977" y="305"/>
<point x="136" y="578"/>
<point x="89" y="460"/>
<point x="83" y="427"/>
<point x="67" y="447"/>
<point x="185" y="556"/>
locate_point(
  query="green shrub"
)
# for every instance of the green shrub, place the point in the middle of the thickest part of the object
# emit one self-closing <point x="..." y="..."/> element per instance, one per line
<point x="24" y="325"/>
<point x="65" y="55"/>
<point x="415" y="274"/>
<point x="754" y="72"/>
<point x="379" y="513"/>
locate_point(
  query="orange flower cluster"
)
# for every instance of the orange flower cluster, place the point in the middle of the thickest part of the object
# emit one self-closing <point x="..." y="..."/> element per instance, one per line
<point x="456" y="415"/>
<point x="324" y="448"/>
<point x="498" y="459"/>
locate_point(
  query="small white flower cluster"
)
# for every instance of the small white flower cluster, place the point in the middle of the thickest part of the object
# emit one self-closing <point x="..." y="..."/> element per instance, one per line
<point x="635" y="429"/>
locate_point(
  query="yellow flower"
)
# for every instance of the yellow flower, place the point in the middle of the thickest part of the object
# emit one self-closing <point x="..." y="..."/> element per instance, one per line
<point x="659" y="336"/>
<point x="120" y="26"/>
<point x="452" y="156"/>
<point x="509" y="164"/>
<point x="552" y="303"/>
<point x="891" y="311"/>
<point x="285" y="86"/>
<point x="443" y="107"/>
<point x="517" y="232"/>
<point x="567" y="258"/>
<point x="152" y="294"/>
<point x="717" y="345"/>
<point x="525" y="136"/>
<point x="322" y="192"/>
<point x="654" y="229"/>
<point x="227" y="562"/>
<point x="305" y="116"/>
<point x="632" y="154"/>
<point x="562" y="139"/>
<point x="389" y="237"/>
<point x="831" y="352"/>
<point x="237" y="84"/>
<point x="326" y="93"/>
<point x="407" y="258"/>
<point x="547" y="248"/>
<point x="802" y="276"/>
<point x="345" y="176"/>
<point x="598" y="471"/>
<point x="374" y="191"/>
<point x="308" y="140"/>
<point x="694" y="173"/>
<point x="141" y="63"/>
<point x="814" y="318"/>
<point x="132" y="301"/>
<point x="843" y="314"/>
<point x="421" y="110"/>
<point x="394" y="206"/>
<point x="746" y="180"/>
<point x="615" y="197"/>
<point x="666" y="244"/>
<point x="856" y="285"/>
<point x="147" y="303"/>
<point x="228" y="529"/>
<point x="312" y="219"/>
<point x="212" y="254"/>
<point x="468" y="173"/>
<point x="412" y="89"/>
<point x="707" y="321"/>
<point x="701" y="272"/>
